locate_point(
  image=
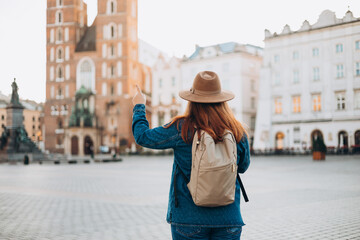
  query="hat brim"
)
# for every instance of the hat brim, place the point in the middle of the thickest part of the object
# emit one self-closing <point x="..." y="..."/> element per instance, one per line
<point x="223" y="96"/>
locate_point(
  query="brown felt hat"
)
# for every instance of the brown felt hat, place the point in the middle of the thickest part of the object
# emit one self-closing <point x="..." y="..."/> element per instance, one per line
<point x="206" y="89"/>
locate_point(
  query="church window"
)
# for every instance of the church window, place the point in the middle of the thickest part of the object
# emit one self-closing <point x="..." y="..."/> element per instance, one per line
<point x="60" y="74"/>
<point x="112" y="29"/>
<point x="104" y="88"/>
<point x="67" y="53"/>
<point x="112" y="50"/>
<point x="66" y="34"/>
<point x="104" y="66"/>
<point x="59" y="17"/>
<point x="52" y="92"/>
<point x="120" y="29"/>
<point x="59" y="54"/>
<point x="66" y="92"/>
<point x="59" y="35"/>
<point x="52" y="54"/>
<point x="51" y="73"/>
<point x="112" y="71"/>
<point x="60" y="123"/>
<point x="119" y="69"/>
<point x="52" y="35"/>
<point x="112" y="7"/>
<point x="86" y="74"/>
<point x="104" y="50"/>
<point x="67" y="72"/>
<point x="59" y="3"/>
<point x="119" y="88"/>
<point x="119" y="49"/>
<point x="112" y="90"/>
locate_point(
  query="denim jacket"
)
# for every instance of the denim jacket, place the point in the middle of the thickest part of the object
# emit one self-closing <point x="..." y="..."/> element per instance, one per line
<point x="187" y="213"/>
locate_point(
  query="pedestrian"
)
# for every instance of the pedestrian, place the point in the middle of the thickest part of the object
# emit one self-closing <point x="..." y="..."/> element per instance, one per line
<point x="208" y="110"/>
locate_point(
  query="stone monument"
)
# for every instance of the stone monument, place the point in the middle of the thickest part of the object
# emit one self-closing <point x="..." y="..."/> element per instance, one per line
<point x="14" y="140"/>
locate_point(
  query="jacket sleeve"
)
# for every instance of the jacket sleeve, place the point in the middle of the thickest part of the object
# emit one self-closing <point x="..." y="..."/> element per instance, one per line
<point x="243" y="155"/>
<point x="156" y="138"/>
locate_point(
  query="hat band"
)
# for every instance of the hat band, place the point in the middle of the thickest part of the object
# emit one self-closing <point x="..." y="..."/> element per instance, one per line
<point x="204" y="93"/>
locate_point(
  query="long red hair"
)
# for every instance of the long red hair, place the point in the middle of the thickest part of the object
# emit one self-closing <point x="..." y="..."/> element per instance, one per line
<point x="213" y="118"/>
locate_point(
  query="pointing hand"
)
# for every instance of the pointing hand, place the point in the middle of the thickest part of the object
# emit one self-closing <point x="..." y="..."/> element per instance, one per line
<point x="139" y="97"/>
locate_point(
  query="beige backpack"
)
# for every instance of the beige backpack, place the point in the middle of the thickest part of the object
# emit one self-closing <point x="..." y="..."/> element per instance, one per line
<point x="214" y="170"/>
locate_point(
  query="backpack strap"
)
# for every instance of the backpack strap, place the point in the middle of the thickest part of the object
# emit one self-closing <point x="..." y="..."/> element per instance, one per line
<point x="174" y="182"/>
<point x="242" y="188"/>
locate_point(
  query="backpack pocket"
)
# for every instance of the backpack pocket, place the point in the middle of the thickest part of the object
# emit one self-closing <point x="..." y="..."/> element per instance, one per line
<point x="215" y="186"/>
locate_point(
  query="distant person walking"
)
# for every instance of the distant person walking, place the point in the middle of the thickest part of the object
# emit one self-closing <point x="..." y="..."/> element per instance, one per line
<point x="208" y="111"/>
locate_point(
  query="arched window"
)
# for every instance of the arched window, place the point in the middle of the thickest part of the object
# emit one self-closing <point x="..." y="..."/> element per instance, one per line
<point x="59" y="55"/>
<point x="343" y="139"/>
<point x="86" y="75"/>
<point x="59" y="35"/>
<point x="279" y="140"/>
<point x="60" y="91"/>
<point x="112" y="50"/>
<point x="112" y="7"/>
<point x="112" y="90"/>
<point x="112" y="71"/>
<point x="357" y="137"/>
<point x="59" y="3"/>
<point x="59" y="17"/>
<point x="59" y="74"/>
<point x="112" y="31"/>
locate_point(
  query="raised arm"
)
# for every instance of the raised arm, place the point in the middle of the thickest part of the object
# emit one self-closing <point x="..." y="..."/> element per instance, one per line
<point x="157" y="138"/>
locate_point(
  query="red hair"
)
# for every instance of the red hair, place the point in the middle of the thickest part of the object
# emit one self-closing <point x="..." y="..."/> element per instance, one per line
<point x="213" y="118"/>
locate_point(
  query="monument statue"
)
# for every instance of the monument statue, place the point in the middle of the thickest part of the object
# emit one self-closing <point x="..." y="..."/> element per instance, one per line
<point x="14" y="95"/>
<point x="15" y="143"/>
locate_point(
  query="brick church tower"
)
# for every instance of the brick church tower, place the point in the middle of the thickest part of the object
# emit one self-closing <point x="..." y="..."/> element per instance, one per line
<point x="101" y="59"/>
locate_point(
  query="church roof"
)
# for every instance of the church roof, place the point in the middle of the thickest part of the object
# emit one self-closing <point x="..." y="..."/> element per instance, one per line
<point x="88" y="41"/>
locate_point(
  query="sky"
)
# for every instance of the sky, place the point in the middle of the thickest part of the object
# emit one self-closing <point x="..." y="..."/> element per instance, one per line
<point x="173" y="26"/>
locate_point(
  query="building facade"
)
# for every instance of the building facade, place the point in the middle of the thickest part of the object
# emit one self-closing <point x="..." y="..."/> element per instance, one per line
<point x="101" y="59"/>
<point x="166" y="84"/>
<point x="310" y="85"/>
<point x="33" y="118"/>
<point x="238" y="67"/>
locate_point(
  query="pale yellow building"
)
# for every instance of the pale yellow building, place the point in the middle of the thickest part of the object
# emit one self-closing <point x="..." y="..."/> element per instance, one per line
<point x="33" y="115"/>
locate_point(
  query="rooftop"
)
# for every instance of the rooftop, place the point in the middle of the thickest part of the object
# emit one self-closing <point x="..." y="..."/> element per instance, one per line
<point x="326" y="19"/>
<point x="223" y="48"/>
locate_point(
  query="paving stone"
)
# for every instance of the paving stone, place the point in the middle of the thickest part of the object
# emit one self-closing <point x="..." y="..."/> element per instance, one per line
<point x="290" y="198"/>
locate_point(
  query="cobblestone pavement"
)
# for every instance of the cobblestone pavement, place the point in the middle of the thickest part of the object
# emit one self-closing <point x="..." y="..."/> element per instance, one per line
<point x="290" y="198"/>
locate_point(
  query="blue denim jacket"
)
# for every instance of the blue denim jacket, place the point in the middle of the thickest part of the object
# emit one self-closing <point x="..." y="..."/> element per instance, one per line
<point x="187" y="213"/>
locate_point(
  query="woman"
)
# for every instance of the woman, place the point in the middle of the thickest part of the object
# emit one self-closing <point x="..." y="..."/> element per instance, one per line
<point x="207" y="110"/>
